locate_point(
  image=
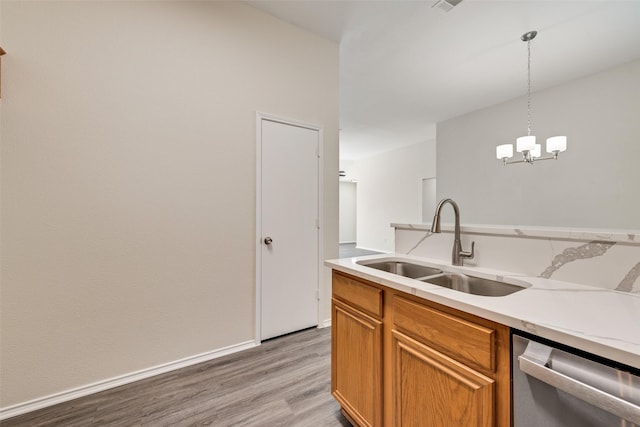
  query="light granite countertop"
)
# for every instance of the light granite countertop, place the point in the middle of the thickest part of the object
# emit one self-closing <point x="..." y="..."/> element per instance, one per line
<point x="599" y="321"/>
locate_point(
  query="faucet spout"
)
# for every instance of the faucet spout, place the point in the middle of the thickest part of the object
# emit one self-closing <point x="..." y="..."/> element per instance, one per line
<point x="457" y="254"/>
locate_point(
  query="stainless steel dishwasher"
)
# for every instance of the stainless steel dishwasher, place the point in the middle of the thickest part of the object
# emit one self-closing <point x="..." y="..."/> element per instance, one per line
<point x="555" y="386"/>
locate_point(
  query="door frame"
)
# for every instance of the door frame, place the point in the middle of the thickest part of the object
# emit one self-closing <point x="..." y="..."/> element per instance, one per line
<point x="260" y="116"/>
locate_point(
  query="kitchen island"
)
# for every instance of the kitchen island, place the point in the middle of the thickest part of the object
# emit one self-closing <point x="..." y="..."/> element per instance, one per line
<point x="600" y="321"/>
<point x="403" y="328"/>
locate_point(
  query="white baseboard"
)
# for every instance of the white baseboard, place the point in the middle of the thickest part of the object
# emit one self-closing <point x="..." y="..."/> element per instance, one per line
<point x="54" y="399"/>
<point x="324" y="324"/>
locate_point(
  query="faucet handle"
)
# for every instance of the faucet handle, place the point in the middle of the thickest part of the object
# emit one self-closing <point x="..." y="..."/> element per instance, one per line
<point x="471" y="254"/>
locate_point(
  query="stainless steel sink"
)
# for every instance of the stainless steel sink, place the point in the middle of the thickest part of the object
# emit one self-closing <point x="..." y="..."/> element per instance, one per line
<point x="401" y="268"/>
<point x="473" y="285"/>
<point x="456" y="281"/>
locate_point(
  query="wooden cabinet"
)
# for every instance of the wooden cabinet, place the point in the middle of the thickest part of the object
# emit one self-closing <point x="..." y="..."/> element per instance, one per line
<point x="431" y="389"/>
<point x="356" y="350"/>
<point x="398" y="360"/>
<point x="462" y="363"/>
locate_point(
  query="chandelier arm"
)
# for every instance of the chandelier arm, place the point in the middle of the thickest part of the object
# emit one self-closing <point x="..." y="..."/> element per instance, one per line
<point x="554" y="156"/>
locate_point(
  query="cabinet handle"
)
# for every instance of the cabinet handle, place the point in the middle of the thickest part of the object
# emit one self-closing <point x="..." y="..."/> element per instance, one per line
<point x="268" y="240"/>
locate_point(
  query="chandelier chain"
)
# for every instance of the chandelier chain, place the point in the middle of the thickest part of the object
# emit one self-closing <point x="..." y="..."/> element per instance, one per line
<point x="529" y="87"/>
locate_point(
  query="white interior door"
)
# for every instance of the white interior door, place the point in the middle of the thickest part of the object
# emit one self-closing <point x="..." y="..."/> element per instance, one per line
<point x="347" y="212"/>
<point x="289" y="228"/>
<point x="429" y="200"/>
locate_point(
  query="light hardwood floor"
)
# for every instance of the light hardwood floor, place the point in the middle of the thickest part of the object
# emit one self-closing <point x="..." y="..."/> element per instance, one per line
<point x="283" y="382"/>
<point x="349" y="250"/>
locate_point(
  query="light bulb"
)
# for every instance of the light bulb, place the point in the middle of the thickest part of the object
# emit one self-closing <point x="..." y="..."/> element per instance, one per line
<point x="525" y="143"/>
<point x="556" y="143"/>
<point x="504" y="151"/>
<point x="537" y="150"/>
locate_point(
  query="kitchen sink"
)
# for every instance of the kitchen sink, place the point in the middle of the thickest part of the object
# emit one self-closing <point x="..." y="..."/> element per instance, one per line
<point x="401" y="268"/>
<point x="456" y="281"/>
<point x="473" y="285"/>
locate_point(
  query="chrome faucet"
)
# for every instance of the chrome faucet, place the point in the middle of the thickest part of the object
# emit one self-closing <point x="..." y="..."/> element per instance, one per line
<point x="458" y="254"/>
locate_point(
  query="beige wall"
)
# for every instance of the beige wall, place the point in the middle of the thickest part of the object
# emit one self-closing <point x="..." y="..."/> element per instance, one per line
<point x="128" y="180"/>
<point x="594" y="184"/>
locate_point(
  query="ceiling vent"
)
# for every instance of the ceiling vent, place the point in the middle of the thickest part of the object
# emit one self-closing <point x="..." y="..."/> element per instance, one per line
<point x="446" y="5"/>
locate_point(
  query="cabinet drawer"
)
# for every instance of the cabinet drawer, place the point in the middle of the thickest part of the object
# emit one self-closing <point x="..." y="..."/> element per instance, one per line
<point x="459" y="338"/>
<point x="358" y="294"/>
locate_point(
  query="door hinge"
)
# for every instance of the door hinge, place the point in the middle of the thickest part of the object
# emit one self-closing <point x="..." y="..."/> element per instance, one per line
<point x="317" y="152"/>
<point x="317" y="223"/>
<point x="317" y="295"/>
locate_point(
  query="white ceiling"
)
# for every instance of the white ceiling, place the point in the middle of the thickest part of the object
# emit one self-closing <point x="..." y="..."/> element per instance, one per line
<point x="405" y="65"/>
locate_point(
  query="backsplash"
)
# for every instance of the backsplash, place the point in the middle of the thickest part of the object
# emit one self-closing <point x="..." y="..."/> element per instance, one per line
<point x="605" y="259"/>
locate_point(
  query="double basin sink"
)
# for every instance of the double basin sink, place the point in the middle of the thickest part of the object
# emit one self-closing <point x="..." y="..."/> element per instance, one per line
<point x="457" y="281"/>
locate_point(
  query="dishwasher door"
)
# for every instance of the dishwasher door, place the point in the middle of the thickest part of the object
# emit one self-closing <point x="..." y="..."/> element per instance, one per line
<point x="556" y="388"/>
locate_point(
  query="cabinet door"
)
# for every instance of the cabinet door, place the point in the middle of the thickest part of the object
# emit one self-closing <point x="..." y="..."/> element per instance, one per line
<point x="431" y="389"/>
<point x="356" y="362"/>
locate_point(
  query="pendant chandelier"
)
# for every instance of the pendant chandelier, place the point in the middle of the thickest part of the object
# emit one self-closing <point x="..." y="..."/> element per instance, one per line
<point x="526" y="145"/>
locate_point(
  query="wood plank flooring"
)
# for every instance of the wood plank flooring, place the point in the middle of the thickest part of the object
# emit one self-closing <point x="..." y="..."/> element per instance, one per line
<point x="283" y="382"/>
<point x="349" y="250"/>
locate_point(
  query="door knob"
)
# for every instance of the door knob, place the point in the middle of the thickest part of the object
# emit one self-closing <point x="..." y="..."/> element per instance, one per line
<point x="268" y="240"/>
